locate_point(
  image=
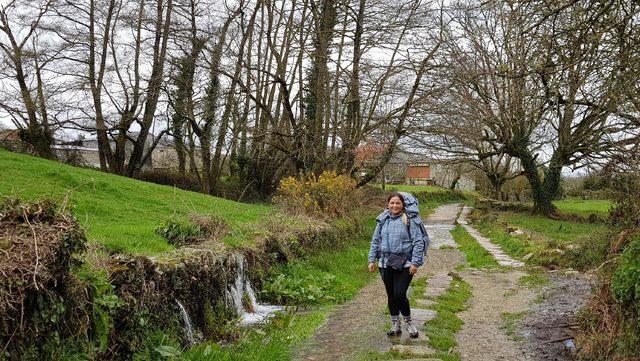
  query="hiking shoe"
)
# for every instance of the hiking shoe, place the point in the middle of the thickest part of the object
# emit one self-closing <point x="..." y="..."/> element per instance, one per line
<point x="413" y="332"/>
<point x="395" y="329"/>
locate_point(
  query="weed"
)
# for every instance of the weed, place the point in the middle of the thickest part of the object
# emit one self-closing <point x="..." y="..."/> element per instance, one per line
<point x="178" y="233"/>
<point x="510" y="323"/>
<point x="534" y="280"/>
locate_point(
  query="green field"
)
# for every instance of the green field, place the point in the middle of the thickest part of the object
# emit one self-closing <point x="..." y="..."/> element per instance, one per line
<point x="584" y="207"/>
<point x="561" y="231"/>
<point x="118" y="212"/>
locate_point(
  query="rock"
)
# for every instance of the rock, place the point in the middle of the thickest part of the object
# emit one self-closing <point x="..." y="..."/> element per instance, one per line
<point x="517" y="232"/>
<point x="426" y="303"/>
<point x="420" y="315"/>
<point x="434" y="292"/>
<point x="527" y="257"/>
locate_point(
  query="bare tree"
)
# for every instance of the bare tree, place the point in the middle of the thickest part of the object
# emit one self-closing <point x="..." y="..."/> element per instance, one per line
<point x="545" y="85"/>
<point x="19" y="23"/>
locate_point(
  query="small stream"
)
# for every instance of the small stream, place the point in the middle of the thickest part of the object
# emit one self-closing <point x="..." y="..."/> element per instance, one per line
<point x="250" y="311"/>
<point x="239" y="295"/>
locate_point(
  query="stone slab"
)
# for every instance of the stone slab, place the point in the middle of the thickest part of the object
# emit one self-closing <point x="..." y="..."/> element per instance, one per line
<point x="420" y="315"/>
<point x="434" y="292"/>
<point x="445" y="214"/>
<point x="425" y="303"/>
<point x="495" y="250"/>
<point x="412" y="350"/>
<point x="440" y="236"/>
<point x="405" y="339"/>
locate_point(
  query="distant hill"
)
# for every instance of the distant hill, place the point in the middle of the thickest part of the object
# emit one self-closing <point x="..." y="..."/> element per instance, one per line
<point x="118" y="212"/>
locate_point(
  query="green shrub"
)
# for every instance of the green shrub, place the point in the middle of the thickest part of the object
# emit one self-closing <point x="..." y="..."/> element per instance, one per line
<point x="328" y="195"/>
<point x="218" y="322"/>
<point x="626" y="280"/>
<point x="178" y="232"/>
<point x="298" y="290"/>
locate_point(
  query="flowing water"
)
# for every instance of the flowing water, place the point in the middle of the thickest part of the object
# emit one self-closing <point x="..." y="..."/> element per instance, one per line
<point x="253" y="312"/>
<point x="188" y="327"/>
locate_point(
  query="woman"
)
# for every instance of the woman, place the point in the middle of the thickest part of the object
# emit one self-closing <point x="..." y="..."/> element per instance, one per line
<point x="397" y="244"/>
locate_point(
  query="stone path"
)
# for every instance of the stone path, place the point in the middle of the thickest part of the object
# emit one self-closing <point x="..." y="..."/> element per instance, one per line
<point x="495" y="250"/>
<point x="358" y="326"/>
<point x="496" y="296"/>
<point x="440" y="224"/>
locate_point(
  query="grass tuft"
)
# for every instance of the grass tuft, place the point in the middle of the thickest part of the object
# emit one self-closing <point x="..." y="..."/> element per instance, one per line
<point x="477" y="256"/>
<point x="442" y="328"/>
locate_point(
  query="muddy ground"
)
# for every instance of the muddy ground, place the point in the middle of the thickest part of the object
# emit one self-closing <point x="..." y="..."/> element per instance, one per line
<point x="551" y="324"/>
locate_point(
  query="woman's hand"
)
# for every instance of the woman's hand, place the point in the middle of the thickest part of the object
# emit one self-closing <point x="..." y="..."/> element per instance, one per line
<point x="372" y="267"/>
<point x="413" y="270"/>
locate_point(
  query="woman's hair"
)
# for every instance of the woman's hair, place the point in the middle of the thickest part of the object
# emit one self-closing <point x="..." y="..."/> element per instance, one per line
<point x="395" y="194"/>
<point x="404" y="214"/>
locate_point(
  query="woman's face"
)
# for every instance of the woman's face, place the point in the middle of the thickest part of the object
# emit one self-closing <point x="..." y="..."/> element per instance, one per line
<point x="395" y="205"/>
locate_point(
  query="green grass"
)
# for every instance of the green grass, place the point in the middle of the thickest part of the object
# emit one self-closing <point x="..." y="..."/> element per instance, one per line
<point x="477" y="256"/>
<point x="442" y="328"/>
<point x="561" y="231"/>
<point x="119" y="212"/>
<point x="510" y="324"/>
<point x="584" y="207"/>
<point x="511" y="245"/>
<point x="328" y="277"/>
<point x="274" y="341"/>
<point x="534" y="280"/>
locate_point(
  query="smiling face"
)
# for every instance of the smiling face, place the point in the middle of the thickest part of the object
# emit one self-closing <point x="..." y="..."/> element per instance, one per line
<point x="395" y="205"/>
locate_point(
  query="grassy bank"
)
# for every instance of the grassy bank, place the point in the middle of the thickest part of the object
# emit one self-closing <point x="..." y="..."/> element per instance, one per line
<point x="547" y="242"/>
<point x="118" y="212"/>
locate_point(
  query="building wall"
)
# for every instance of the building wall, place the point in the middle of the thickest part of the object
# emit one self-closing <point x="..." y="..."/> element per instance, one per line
<point x="419" y="172"/>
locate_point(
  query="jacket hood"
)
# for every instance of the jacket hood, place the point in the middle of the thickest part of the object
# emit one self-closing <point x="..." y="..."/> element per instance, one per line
<point x="410" y="207"/>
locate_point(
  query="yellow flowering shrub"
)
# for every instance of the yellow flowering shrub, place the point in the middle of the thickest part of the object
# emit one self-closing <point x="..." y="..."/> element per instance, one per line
<point x="327" y="195"/>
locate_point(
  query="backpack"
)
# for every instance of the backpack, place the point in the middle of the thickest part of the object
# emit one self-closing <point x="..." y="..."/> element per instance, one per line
<point x="413" y="214"/>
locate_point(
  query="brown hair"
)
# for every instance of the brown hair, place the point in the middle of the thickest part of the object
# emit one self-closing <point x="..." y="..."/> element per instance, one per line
<point x="395" y="194"/>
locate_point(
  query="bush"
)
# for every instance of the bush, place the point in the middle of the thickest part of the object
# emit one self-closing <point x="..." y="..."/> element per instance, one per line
<point x="626" y="280"/>
<point x="292" y="289"/>
<point x="197" y="229"/>
<point x="178" y="233"/>
<point x="39" y="294"/>
<point x="611" y="320"/>
<point x="328" y="195"/>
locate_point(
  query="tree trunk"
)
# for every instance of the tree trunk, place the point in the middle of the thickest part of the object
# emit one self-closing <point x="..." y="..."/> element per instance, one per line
<point x="542" y="193"/>
<point x="155" y="83"/>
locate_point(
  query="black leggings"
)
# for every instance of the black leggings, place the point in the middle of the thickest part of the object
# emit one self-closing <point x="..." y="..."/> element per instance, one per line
<point x="396" y="283"/>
